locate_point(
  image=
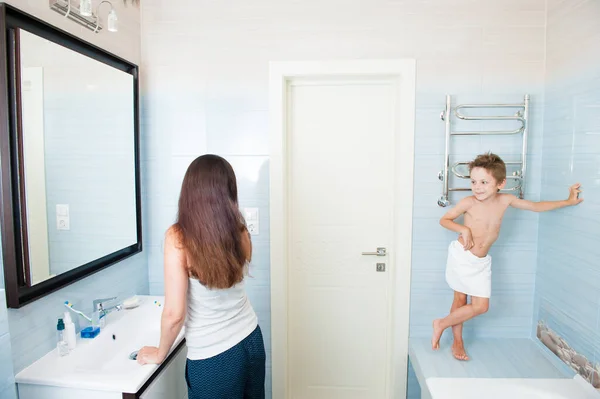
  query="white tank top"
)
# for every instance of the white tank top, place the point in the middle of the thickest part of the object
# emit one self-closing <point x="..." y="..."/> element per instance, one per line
<point x="216" y="320"/>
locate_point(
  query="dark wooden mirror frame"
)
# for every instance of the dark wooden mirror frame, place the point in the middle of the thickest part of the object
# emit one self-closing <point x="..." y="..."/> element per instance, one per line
<point x="13" y="215"/>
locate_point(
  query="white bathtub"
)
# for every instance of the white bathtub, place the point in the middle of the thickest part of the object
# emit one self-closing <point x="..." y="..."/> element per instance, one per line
<point x="511" y="388"/>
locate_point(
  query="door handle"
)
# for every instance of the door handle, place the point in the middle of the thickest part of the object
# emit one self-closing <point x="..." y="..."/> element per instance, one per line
<point x="380" y="252"/>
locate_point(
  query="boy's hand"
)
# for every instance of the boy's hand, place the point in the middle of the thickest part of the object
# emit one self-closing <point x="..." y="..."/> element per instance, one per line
<point x="573" y="194"/>
<point x="467" y="238"/>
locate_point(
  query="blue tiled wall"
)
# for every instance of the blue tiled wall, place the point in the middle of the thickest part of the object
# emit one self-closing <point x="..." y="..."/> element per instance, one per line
<point x="567" y="295"/>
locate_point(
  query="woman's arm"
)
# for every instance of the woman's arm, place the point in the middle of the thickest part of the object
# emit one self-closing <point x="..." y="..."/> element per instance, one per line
<point x="173" y="316"/>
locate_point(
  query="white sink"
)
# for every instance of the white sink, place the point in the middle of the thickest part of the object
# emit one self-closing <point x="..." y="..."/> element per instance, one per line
<point x="103" y="363"/>
<point x="513" y="388"/>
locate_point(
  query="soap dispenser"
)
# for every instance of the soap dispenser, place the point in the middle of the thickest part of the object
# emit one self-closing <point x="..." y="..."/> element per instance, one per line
<point x="61" y="345"/>
<point x="70" y="335"/>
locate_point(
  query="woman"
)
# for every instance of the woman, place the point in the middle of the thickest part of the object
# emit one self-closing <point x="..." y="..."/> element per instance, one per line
<point x="206" y="256"/>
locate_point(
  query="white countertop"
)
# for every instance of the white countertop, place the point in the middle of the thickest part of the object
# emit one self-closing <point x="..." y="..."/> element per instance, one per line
<point x="103" y="363"/>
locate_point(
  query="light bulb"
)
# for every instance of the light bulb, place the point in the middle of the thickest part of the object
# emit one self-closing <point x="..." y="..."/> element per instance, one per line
<point x="85" y="8"/>
<point x="113" y="21"/>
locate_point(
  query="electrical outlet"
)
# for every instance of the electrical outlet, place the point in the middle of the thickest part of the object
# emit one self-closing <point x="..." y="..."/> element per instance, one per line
<point x="251" y="216"/>
<point x="62" y="217"/>
<point x="253" y="227"/>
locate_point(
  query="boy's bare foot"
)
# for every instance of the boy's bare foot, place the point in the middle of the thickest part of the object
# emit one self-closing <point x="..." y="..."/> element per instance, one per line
<point x="437" y="334"/>
<point x="458" y="350"/>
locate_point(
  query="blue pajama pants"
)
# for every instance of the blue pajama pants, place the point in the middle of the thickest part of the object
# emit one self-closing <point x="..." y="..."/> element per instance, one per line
<point x="238" y="373"/>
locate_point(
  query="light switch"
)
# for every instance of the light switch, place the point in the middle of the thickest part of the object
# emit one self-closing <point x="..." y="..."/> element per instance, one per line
<point x="251" y="214"/>
<point x="62" y="209"/>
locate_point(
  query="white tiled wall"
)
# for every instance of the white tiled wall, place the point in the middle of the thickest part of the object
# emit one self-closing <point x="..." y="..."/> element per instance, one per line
<point x="205" y="89"/>
<point x="30" y="331"/>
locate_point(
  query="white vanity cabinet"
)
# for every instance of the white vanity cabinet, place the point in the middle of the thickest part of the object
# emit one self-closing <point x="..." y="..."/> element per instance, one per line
<point x="167" y="381"/>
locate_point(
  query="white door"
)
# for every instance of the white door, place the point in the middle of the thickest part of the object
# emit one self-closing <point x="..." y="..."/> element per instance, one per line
<point x="342" y="168"/>
<point x="344" y="172"/>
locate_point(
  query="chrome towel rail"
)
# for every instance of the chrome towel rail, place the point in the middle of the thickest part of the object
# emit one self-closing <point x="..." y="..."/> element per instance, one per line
<point x="522" y="115"/>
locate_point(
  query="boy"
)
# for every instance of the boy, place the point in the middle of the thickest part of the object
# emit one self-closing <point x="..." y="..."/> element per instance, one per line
<point x="468" y="269"/>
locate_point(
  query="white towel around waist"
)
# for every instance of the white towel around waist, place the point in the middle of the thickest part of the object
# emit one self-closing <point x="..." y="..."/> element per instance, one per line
<point x="468" y="273"/>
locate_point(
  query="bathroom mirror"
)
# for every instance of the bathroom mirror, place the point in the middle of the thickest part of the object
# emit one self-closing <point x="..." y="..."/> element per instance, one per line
<point x="69" y="158"/>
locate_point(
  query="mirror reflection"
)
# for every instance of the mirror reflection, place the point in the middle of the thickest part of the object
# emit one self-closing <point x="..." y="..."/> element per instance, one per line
<point x="78" y="158"/>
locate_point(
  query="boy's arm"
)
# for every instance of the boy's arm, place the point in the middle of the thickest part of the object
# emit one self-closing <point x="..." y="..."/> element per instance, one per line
<point x="544" y="206"/>
<point x="447" y="220"/>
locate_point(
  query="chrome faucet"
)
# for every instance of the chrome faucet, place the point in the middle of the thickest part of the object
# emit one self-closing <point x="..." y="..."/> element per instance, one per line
<point x="99" y="306"/>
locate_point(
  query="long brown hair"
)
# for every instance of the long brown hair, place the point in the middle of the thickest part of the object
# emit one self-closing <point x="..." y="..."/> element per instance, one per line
<point x="209" y="223"/>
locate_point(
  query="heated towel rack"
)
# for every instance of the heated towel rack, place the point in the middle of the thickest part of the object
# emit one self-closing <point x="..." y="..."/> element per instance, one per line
<point x="522" y="115"/>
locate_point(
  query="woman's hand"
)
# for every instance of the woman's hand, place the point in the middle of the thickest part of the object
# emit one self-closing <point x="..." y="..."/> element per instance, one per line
<point x="149" y="355"/>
